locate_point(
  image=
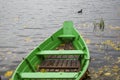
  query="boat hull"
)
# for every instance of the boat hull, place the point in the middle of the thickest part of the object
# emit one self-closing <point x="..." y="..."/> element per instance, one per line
<point x="65" y="42"/>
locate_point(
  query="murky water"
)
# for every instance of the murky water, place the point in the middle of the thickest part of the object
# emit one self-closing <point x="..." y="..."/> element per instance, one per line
<point x="26" y="23"/>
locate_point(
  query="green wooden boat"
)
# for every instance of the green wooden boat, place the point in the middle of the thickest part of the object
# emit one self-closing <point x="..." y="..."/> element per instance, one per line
<point x="63" y="56"/>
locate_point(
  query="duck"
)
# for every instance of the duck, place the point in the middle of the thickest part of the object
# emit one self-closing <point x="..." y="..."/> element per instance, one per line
<point x="80" y="11"/>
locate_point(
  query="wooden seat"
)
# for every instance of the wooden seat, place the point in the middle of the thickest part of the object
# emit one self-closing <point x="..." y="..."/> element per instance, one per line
<point x="66" y="36"/>
<point x="48" y="75"/>
<point x="61" y="52"/>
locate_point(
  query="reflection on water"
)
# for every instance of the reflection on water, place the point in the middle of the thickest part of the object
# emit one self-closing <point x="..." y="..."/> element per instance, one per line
<point x="25" y="23"/>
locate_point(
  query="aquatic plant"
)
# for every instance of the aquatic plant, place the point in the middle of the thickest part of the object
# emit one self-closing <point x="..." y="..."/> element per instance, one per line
<point x="99" y="25"/>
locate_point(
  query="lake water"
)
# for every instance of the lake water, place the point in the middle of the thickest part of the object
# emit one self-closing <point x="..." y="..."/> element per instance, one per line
<point x="26" y="23"/>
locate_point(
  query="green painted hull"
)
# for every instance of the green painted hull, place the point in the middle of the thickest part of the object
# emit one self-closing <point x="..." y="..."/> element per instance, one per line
<point x="27" y="69"/>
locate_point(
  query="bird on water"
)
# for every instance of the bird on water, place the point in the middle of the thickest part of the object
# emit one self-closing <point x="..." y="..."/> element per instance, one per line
<point x="80" y="11"/>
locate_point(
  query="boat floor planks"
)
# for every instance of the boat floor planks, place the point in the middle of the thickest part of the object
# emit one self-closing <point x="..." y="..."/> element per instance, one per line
<point x="56" y="64"/>
<point x="61" y="63"/>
